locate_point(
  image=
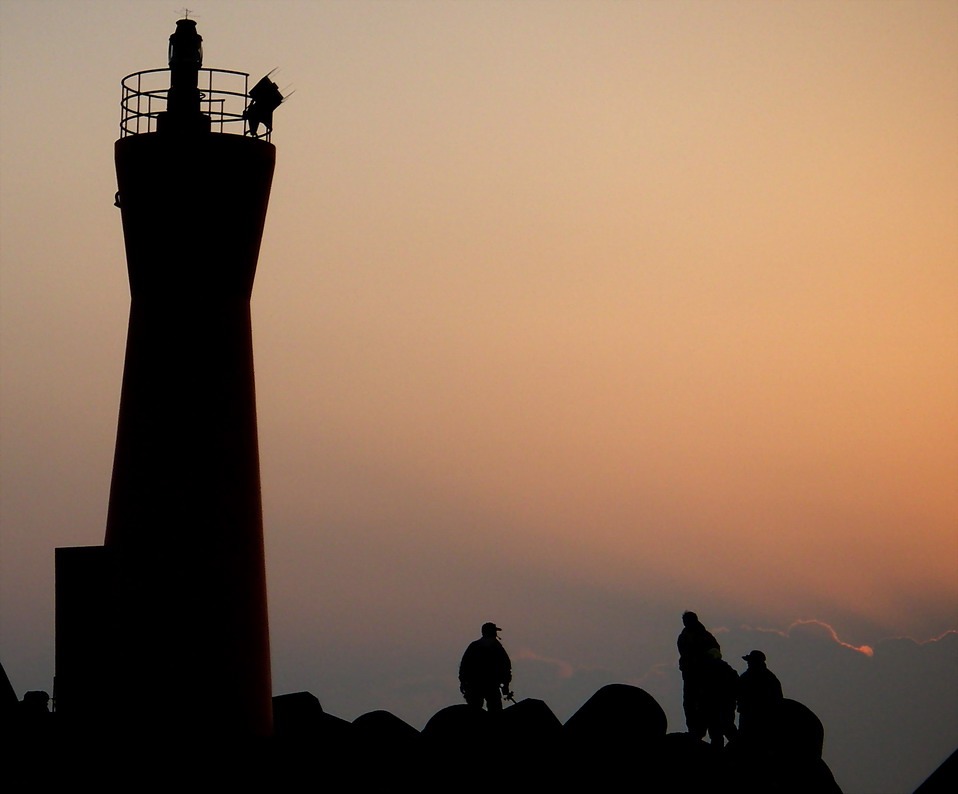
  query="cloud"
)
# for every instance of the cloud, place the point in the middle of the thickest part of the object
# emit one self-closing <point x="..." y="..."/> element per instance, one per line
<point x="563" y="685"/>
<point x="563" y="669"/>
<point x="947" y="636"/>
<point x="890" y="709"/>
<point x="811" y="629"/>
<point x="655" y="674"/>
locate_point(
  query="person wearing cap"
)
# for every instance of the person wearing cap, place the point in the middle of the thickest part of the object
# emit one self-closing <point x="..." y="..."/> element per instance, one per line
<point x="486" y="670"/>
<point x="758" y="691"/>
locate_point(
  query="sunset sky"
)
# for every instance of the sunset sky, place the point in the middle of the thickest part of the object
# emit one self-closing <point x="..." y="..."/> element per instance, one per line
<point x="569" y="316"/>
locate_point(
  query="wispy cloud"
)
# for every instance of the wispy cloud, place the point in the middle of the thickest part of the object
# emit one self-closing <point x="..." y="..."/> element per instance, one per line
<point x="655" y="674"/>
<point x="941" y="637"/>
<point x="813" y="627"/>
<point x="816" y="626"/>
<point x="564" y="669"/>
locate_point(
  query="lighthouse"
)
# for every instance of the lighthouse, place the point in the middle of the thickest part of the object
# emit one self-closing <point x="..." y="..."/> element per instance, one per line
<point x="181" y="591"/>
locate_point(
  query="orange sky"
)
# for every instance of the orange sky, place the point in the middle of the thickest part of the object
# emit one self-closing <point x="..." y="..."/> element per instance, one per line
<point x="624" y="305"/>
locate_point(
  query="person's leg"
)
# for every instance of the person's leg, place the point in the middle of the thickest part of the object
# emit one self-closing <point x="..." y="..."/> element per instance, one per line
<point x="692" y="705"/>
<point x="729" y="729"/>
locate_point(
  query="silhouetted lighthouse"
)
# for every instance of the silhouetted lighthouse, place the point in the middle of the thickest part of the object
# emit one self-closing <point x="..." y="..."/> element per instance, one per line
<point x="185" y="580"/>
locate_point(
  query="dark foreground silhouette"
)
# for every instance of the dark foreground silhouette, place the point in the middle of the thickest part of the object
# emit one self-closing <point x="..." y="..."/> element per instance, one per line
<point x="697" y="649"/>
<point x="486" y="671"/>
<point x="618" y="739"/>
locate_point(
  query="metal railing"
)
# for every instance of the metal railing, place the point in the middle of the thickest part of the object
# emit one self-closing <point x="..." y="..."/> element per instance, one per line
<point x="145" y="97"/>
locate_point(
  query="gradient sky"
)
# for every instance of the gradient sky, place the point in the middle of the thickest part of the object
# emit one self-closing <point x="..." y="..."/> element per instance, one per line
<point x="569" y="315"/>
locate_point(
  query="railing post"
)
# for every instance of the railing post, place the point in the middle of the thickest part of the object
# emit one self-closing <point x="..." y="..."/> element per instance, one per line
<point x="225" y="106"/>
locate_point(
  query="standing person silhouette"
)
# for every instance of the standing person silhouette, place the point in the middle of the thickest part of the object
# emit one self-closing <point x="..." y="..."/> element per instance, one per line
<point x="759" y="691"/>
<point x="694" y="644"/>
<point x="720" y="688"/>
<point x="485" y="671"/>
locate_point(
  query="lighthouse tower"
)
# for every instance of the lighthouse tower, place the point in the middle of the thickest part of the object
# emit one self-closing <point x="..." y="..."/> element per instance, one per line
<point x="185" y="640"/>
